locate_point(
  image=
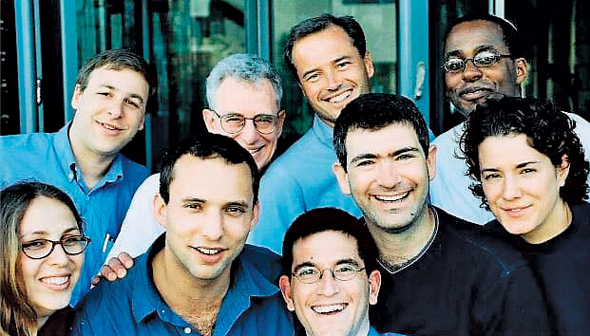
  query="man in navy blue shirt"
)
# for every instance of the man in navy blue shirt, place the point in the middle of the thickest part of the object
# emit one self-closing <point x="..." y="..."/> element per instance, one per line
<point x="336" y="302"/>
<point x="198" y="277"/>
<point x="440" y="275"/>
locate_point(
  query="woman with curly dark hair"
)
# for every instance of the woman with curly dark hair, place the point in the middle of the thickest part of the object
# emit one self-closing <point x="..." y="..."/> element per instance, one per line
<point x="529" y="170"/>
<point x="36" y="276"/>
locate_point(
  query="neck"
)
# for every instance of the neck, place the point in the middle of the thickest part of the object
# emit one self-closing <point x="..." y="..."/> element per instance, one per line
<point x="92" y="165"/>
<point x="396" y="249"/>
<point x="197" y="301"/>
<point x="554" y="225"/>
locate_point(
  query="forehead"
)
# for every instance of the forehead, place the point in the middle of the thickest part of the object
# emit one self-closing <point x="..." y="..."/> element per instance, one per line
<point x="238" y="95"/>
<point x="47" y="215"/>
<point x="322" y="47"/>
<point x="494" y="149"/>
<point x="469" y="36"/>
<point x="325" y="248"/>
<point x="211" y="178"/>
<point x="386" y="140"/>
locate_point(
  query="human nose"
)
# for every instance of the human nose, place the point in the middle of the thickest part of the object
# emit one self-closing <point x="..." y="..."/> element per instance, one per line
<point x="333" y="80"/>
<point x="58" y="255"/>
<point x="249" y="134"/>
<point x="510" y="188"/>
<point x="213" y="227"/>
<point x="387" y="174"/>
<point x="328" y="284"/>
<point x="115" y="109"/>
<point x="471" y="72"/>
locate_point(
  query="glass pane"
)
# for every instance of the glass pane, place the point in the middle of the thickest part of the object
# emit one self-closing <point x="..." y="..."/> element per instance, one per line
<point x="378" y="19"/>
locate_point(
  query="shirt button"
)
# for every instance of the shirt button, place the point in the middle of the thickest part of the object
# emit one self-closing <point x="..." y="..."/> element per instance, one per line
<point x="187" y="330"/>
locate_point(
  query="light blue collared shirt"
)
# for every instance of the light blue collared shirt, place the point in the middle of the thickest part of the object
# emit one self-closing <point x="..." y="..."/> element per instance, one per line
<point x="132" y="306"/>
<point x="299" y="180"/>
<point x="48" y="158"/>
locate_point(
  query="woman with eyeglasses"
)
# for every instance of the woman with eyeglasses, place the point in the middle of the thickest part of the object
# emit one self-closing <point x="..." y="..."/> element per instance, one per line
<point x="42" y="244"/>
<point x="529" y="170"/>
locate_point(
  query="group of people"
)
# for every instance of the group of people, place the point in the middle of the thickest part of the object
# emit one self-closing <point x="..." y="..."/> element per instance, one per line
<point x="364" y="195"/>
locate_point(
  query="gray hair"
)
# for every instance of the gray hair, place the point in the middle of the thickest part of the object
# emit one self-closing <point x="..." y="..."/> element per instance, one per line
<point x="247" y="67"/>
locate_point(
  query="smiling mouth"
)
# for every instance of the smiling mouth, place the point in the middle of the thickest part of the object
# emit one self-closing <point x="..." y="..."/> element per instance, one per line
<point x="209" y="251"/>
<point x="255" y="150"/>
<point x="329" y="309"/>
<point x="393" y="198"/>
<point x="110" y="127"/>
<point x="340" y="98"/>
<point x="56" y="280"/>
<point x="516" y="211"/>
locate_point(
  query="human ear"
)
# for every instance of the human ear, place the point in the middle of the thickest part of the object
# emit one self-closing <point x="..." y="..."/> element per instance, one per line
<point x="285" y="286"/>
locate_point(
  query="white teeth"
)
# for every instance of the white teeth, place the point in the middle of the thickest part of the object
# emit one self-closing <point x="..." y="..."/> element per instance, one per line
<point x="55" y="280"/>
<point x="391" y="198"/>
<point x="340" y="98"/>
<point x="109" y="127"/>
<point x="329" y="309"/>
<point x="208" y="251"/>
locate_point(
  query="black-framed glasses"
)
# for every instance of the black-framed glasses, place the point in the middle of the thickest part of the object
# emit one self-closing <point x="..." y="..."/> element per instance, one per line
<point x="41" y="248"/>
<point x="482" y="59"/>
<point x="233" y="123"/>
<point x="311" y="274"/>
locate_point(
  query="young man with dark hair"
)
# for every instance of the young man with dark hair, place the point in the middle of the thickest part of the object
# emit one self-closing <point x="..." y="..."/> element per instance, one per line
<point x="83" y="158"/>
<point x="198" y="277"/>
<point x="440" y="275"/>
<point x="337" y="302"/>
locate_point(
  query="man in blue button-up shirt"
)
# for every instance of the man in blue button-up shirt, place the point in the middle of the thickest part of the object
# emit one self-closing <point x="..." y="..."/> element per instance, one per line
<point x="198" y="277"/>
<point x="83" y="158"/>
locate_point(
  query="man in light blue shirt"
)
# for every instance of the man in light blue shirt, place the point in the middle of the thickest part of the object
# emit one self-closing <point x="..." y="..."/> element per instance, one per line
<point x="199" y="277"/>
<point x="327" y="55"/>
<point x="83" y="158"/>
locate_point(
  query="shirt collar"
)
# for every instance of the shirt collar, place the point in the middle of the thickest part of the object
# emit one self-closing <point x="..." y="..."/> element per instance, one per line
<point x="66" y="155"/>
<point x="69" y="165"/>
<point x="247" y="282"/>
<point x="323" y="131"/>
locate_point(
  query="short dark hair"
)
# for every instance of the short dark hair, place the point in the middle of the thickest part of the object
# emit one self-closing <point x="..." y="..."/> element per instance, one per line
<point x="374" y="111"/>
<point x="207" y="145"/>
<point x="117" y="59"/>
<point x="320" y="23"/>
<point x="512" y="37"/>
<point x="330" y="219"/>
<point x="549" y="131"/>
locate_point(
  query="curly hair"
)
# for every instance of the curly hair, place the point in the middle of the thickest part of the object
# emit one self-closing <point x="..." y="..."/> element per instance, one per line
<point x="548" y="130"/>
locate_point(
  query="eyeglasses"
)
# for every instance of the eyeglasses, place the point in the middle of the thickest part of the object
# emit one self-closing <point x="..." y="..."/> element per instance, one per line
<point x="482" y="59"/>
<point x="41" y="248"/>
<point x="232" y="123"/>
<point x="311" y="275"/>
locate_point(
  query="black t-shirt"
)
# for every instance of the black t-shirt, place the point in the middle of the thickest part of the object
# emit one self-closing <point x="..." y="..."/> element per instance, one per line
<point x="562" y="265"/>
<point x="469" y="282"/>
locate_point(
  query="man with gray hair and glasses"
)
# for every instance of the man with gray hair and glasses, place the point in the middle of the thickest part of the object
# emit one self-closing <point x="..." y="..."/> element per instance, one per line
<point x="244" y="96"/>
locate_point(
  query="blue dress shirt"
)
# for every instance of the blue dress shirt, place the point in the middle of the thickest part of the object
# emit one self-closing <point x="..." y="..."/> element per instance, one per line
<point x="48" y="158"/>
<point x="299" y="180"/>
<point x="373" y="332"/>
<point x="132" y="306"/>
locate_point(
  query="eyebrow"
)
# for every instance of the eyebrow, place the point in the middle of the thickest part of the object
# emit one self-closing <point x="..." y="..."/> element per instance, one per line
<point x="332" y="62"/>
<point x="394" y="154"/>
<point x="347" y="261"/>
<point x="132" y="95"/>
<point x="459" y="53"/>
<point x="524" y="164"/>
<point x="42" y="232"/>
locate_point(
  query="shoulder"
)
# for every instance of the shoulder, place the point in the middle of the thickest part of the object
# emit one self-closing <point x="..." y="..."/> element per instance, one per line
<point x="263" y="260"/>
<point x="132" y="167"/>
<point x="23" y="144"/>
<point x="581" y="211"/>
<point x="450" y="137"/>
<point x="481" y="243"/>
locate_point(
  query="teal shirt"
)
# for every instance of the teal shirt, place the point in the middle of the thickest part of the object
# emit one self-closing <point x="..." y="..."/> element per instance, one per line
<point x="48" y="158"/>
